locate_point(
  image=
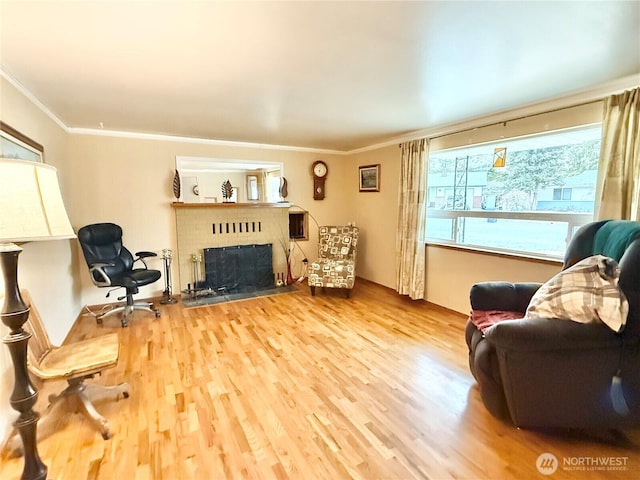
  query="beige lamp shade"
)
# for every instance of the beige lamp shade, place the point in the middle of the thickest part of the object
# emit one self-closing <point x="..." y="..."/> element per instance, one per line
<point x="31" y="206"/>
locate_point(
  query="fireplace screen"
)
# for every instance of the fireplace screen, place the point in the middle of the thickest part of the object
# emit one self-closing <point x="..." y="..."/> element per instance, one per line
<point x="240" y="268"/>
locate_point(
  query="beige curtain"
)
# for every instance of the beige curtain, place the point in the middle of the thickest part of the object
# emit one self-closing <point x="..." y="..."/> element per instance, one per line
<point x="618" y="192"/>
<point x="412" y="212"/>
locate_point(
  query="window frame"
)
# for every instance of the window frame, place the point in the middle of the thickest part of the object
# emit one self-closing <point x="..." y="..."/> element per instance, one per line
<point x="573" y="220"/>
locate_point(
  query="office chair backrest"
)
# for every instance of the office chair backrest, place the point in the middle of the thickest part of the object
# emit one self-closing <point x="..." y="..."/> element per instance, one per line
<point x="102" y="243"/>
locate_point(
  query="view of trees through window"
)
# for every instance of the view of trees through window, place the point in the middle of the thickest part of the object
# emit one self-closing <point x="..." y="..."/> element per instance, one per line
<point x="533" y="204"/>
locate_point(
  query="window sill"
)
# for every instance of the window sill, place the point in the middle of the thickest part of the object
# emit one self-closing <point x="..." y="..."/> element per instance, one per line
<point x="528" y="257"/>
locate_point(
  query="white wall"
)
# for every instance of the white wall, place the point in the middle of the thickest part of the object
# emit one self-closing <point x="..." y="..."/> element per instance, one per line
<point x="376" y="214"/>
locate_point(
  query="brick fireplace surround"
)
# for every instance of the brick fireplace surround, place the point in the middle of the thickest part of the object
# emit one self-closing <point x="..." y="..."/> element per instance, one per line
<point x="205" y="225"/>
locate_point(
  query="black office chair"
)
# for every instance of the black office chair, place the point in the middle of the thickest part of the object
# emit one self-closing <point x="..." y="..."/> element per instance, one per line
<point x="111" y="265"/>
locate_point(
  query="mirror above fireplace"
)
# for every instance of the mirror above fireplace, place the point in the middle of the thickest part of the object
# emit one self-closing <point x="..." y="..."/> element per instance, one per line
<point x="253" y="181"/>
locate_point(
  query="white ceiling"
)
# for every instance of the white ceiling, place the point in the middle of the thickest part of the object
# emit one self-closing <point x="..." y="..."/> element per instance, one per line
<point x="325" y="75"/>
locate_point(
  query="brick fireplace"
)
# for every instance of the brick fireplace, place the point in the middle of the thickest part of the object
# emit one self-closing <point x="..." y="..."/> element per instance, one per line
<point x="200" y="226"/>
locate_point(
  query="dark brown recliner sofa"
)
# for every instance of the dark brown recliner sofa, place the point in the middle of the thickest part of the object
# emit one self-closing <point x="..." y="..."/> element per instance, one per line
<point x="546" y="372"/>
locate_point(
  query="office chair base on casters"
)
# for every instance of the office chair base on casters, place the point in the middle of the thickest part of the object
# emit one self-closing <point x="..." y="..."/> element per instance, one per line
<point x="127" y="310"/>
<point x="79" y="397"/>
<point x="76" y="394"/>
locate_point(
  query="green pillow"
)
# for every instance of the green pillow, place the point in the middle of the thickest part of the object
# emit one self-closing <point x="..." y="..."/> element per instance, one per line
<point x="613" y="238"/>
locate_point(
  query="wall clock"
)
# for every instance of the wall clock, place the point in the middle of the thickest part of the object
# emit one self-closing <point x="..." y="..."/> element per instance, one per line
<point x="320" y="171"/>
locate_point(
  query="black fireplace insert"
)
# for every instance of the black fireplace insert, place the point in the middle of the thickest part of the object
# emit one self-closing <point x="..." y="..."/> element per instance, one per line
<point x="239" y="268"/>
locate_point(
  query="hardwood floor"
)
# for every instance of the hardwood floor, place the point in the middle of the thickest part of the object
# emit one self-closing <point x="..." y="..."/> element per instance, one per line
<point x="301" y="387"/>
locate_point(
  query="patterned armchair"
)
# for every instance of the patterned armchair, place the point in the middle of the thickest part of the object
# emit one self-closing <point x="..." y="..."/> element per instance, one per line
<point x="336" y="263"/>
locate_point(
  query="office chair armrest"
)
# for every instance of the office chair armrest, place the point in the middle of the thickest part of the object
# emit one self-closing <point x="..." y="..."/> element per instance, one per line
<point x="144" y="254"/>
<point x="98" y="268"/>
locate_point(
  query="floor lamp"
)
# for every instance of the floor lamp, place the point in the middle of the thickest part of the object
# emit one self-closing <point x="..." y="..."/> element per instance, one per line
<point x="31" y="209"/>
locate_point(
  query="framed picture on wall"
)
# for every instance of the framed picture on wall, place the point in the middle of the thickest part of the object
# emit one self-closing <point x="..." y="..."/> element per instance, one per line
<point x="369" y="178"/>
<point x="14" y="144"/>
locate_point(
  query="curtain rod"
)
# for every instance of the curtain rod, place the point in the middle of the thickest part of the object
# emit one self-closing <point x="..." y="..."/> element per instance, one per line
<point x="522" y="117"/>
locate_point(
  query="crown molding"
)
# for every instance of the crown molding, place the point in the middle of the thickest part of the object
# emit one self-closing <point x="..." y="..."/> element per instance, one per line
<point x="32" y="98"/>
<point x="201" y="141"/>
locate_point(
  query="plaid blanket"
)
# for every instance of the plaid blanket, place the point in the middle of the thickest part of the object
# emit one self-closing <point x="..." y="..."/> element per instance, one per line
<point x="587" y="292"/>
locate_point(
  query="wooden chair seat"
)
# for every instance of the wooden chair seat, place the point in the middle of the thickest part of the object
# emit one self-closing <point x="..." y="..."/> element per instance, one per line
<point x="79" y="359"/>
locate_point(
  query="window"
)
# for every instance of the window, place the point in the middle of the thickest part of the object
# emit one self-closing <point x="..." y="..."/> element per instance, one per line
<point x="562" y="194"/>
<point x="532" y="205"/>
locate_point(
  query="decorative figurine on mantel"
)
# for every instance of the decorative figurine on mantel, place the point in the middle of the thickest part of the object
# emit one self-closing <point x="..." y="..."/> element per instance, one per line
<point x="284" y="189"/>
<point x="176" y="186"/>
<point x="227" y="191"/>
